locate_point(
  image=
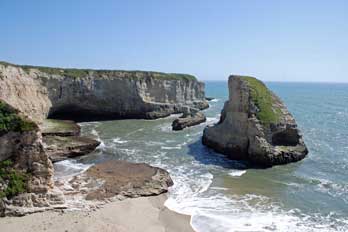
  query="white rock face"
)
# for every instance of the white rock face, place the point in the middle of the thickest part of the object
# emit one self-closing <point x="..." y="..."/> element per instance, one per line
<point x="24" y="92"/>
<point x="116" y="95"/>
<point x="98" y="94"/>
<point x="243" y="135"/>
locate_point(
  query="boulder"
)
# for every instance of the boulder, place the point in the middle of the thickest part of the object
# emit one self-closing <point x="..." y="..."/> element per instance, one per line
<point x="255" y="125"/>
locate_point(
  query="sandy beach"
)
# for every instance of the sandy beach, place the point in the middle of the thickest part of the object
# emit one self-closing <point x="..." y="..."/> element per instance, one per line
<point x="145" y="214"/>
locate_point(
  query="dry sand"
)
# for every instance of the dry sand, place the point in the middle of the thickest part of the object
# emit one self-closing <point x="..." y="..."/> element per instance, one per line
<point x="145" y="214"/>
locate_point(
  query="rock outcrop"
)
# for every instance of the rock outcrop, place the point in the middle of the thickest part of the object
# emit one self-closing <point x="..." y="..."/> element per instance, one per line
<point x="255" y="125"/>
<point x="25" y="170"/>
<point x="52" y="127"/>
<point x="62" y="140"/>
<point x="84" y="95"/>
<point x="60" y="148"/>
<point x="120" y="179"/>
<point x="191" y="117"/>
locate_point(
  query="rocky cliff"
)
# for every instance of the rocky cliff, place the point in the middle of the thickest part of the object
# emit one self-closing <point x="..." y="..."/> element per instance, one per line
<point x="255" y="125"/>
<point x="25" y="170"/>
<point x="83" y="94"/>
<point x="28" y="95"/>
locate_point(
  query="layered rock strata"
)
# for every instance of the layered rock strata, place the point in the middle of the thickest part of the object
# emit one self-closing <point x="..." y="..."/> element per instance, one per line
<point x="84" y="95"/>
<point x="255" y="125"/>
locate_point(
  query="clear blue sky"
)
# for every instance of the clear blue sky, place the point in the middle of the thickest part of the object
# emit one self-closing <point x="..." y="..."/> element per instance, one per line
<point x="272" y="40"/>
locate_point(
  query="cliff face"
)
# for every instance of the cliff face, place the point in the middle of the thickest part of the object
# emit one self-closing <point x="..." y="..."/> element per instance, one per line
<point x="23" y="92"/>
<point x="25" y="170"/>
<point x="82" y="95"/>
<point x="28" y="95"/>
<point x="255" y="125"/>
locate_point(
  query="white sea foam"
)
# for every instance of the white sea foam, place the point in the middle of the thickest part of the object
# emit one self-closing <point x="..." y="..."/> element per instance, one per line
<point x="212" y="211"/>
<point x="154" y="143"/>
<point x="68" y="168"/>
<point x="218" y="188"/>
<point x="237" y="173"/>
<point x="215" y="100"/>
<point x="212" y="120"/>
<point x="97" y="137"/>
<point x="171" y="148"/>
<point x="165" y="127"/>
<point x="119" y="140"/>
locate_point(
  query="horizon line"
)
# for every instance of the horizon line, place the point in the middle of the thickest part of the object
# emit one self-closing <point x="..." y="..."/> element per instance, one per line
<point x="303" y="82"/>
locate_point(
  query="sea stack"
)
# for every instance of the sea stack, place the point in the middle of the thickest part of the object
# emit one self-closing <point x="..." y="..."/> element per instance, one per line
<point x="255" y="125"/>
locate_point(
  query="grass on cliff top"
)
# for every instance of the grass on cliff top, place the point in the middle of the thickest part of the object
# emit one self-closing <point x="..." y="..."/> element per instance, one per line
<point x="78" y="73"/>
<point x="11" y="121"/>
<point x="262" y="97"/>
<point x="15" y="182"/>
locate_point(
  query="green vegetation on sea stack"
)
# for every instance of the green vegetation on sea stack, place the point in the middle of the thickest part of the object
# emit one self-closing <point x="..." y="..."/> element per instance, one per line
<point x="11" y="121"/>
<point x="263" y="99"/>
<point x="79" y="73"/>
<point x="13" y="181"/>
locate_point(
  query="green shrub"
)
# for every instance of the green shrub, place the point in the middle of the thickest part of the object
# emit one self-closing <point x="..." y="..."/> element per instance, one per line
<point x="11" y="121"/>
<point x="16" y="180"/>
<point x="79" y="73"/>
<point x="263" y="99"/>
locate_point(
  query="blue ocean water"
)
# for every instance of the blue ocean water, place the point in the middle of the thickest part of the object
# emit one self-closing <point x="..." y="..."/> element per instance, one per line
<point x="220" y="194"/>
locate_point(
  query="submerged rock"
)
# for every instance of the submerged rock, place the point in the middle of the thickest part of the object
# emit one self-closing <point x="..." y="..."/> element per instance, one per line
<point x="209" y="98"/>
<point x="59" y="148"/>
<point x="255" y="125"/>
<point x="117" y="178"/>
<point x="190" y="118"/>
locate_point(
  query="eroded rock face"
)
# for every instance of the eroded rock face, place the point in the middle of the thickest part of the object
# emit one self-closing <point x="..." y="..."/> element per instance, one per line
<point x="27" y="176"/>
<point x="84" y="95"/>
<point x="24" y="92"/>
<point x="29" y="158"/>
<point x="255" y="125"/>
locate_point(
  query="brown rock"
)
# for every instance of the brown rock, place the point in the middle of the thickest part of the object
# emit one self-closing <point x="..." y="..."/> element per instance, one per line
<point x="121" y="178"/>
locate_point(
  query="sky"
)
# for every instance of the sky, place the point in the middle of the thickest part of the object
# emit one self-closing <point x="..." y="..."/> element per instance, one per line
<point x="271" y="40"/>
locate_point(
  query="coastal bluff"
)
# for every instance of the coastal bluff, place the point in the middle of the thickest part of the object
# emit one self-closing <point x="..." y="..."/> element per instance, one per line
<point x="255" y="125"/>
<point x="86" y="94"/>
<point x="30" y="142"/>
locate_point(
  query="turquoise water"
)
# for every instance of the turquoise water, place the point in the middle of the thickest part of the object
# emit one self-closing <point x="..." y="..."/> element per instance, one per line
<point x="222" y="195"/>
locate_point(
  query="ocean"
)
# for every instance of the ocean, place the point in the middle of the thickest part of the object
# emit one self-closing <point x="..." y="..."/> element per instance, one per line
<point x="221" y="195"/>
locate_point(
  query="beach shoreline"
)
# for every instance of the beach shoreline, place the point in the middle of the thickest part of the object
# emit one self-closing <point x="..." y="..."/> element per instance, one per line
<point x="143" y="214"/>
